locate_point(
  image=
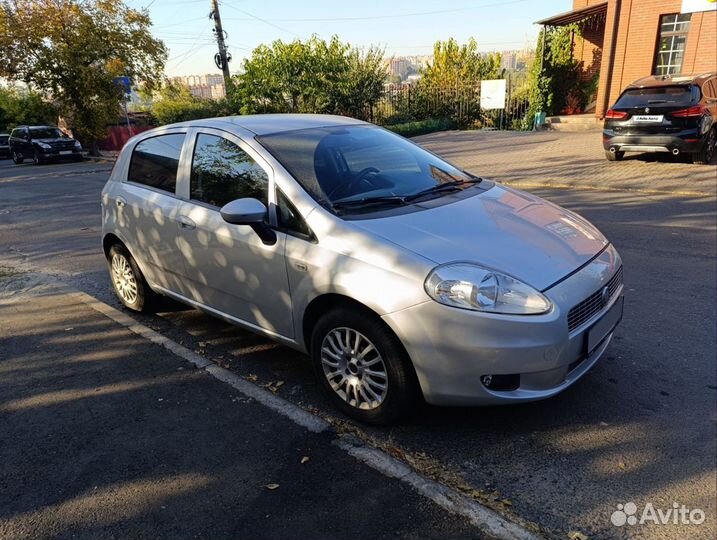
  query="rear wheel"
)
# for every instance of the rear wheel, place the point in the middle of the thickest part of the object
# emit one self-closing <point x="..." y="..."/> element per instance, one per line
<point x="614" y="156"/>
<point x="707" y="153"/>
<point x="363" y="367"/>
<point x="127" y="280"/>
<point x="16" y="158"/>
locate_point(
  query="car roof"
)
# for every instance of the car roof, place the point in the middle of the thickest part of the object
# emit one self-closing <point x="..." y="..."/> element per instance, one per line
<point x="671" y="80"/>
<point x="265" y="124"/>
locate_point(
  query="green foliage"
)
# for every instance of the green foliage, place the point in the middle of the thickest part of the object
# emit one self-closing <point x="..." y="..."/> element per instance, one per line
<point x="175" y="103"/>
<point x="17" y="108"/>
<point x="449" y="86"/>
<point x="555" y="81"/>
<point x="421" y="127"/>
<point x="73" y="50"/>
<point x="313" y="76"/>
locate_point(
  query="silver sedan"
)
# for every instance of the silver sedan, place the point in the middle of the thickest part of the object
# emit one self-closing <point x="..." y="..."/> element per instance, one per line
<point x="400" y="274"/>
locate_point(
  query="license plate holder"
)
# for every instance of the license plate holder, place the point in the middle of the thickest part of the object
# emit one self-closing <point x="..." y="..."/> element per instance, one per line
<point x="65" y="152"/>
<point x="606" y="324"/>
<point x="651" y="118"/>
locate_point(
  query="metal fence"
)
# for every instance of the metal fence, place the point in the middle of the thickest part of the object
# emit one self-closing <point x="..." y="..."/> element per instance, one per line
<point x="459" y="103"/>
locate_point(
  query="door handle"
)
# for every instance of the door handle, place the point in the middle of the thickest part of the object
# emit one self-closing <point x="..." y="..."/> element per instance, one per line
<point x="121" y="202"/>
<point x="186" y="223"/>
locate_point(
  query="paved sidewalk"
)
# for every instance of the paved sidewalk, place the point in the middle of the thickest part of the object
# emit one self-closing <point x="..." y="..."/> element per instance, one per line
<point x="105" y="435"/>
<point x="529" y="160"/>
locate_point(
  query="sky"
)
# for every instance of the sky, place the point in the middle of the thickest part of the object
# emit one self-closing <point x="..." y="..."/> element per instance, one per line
<point x="400" y="27"/>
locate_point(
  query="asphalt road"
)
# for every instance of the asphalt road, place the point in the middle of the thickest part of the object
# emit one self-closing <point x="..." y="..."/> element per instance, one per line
<point x="640" y="427"/>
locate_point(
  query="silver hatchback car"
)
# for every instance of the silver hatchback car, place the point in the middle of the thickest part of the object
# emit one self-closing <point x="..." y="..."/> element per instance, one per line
<point x="400" y="274"/>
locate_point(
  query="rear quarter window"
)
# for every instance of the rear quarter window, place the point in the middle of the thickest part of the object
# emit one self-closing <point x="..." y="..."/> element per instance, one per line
<point x="661" y="95"/>
<point x="155" y="161"/>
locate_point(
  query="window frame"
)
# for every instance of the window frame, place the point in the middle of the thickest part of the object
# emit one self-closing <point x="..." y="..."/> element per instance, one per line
<point x="670" y="34"/>
<point x="184" y="190"/>
<point x="311" y="237"/>
<point x="182" y="157"/>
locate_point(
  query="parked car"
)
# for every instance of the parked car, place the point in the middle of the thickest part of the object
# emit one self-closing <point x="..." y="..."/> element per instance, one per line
<point x="676" y="114"/>
<point x="41" y="144"/>
<point x="4" y="147"/>
<point x="400" y="274"/>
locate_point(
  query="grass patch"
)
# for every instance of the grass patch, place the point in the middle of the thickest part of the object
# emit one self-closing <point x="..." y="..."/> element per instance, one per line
<point x="421" y="127"/>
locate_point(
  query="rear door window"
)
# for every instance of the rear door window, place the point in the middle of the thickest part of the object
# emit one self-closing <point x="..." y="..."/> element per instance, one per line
<point x="659" y="96"/>
<point x="222" y="172"/>
<point x="155" y="161"/>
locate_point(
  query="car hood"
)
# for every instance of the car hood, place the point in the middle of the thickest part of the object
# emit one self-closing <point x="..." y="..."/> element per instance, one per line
<point x="502" y="228"/>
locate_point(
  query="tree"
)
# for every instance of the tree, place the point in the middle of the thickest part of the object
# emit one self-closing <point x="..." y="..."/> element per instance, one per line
<point x="449" y="86"/>
<point x="18" y="107"/>
<point x="73" y="50"/>
<point x="313" y="76"/>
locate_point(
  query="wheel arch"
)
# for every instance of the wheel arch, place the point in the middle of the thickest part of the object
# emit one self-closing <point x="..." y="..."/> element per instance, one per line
<point x="328" y="301"/>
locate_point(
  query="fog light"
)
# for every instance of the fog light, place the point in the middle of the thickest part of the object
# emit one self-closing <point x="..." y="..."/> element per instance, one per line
<point x="501" y="383"/>
<point x="486" y="380"/>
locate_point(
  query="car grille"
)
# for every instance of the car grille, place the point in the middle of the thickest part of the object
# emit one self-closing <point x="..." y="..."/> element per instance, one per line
<point x="63" y="145"/>
<point x="587" y="309"/>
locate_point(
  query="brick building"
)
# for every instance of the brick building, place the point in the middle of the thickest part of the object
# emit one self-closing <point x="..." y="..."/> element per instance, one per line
<point x="623" y="40"/>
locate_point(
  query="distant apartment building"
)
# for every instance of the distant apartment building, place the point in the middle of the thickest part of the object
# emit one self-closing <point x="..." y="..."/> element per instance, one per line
<point x="624" y="40"/>
<point x="399" y="66"/>
<point x="209" y="86"/>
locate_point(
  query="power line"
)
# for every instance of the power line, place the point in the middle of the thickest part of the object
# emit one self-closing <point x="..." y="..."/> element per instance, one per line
<point x="375" y="17"/>
<point x="269" y="23"/>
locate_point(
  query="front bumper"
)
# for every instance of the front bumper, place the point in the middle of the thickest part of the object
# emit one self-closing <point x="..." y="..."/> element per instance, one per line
<point x="61" y="154"/>
<point x="452" y="349"/>
<point x="684" y="142"/>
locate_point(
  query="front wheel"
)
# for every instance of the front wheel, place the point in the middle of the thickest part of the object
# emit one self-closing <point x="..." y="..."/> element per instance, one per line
<point x="16" y="158"/>
<point x="363" y="367"/>
<point x="614" y="156"/>
<point x="707" y="153"/>
<point x="127" y="280"/>
<point x="36" y="159"/>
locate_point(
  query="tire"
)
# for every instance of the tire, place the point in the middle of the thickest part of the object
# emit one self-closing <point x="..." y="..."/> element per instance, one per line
<point x="36" y="160"/>
<point x="379" y="352"/>
<point x="17" y="159"/>
<point x="128" y="282"/>
<point x="614" y="156"/>
<point x="707" y="153"/>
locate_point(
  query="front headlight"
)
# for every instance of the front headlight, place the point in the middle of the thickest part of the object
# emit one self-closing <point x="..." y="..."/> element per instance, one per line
<point x="469" y="286"/>
<point x="78" y="146"/>
<point x="44" y="146"/>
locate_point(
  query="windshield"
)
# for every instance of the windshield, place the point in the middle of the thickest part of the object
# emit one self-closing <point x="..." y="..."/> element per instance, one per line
<point x="46" y="133"/>
<point x="661" y="95"/>
<point x="339" y="165"/>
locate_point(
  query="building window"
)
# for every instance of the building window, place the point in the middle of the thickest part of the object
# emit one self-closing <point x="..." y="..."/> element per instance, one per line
<point x="671" y="44"/>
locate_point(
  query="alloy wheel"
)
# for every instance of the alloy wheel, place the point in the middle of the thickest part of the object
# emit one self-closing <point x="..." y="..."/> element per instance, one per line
<point x="354" y="368"/>
<point x="124" y="279"/>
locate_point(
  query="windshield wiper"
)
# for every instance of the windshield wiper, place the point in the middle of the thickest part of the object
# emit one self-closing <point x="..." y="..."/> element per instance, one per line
<point x="369" y="201"/>
<point x="445" y="186"/>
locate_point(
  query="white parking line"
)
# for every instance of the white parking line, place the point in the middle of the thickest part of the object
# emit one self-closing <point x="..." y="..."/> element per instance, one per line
<point x="488" y="521"/>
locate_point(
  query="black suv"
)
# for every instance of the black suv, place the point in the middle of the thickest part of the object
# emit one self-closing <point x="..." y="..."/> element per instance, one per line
<point x="42" y="143"/>
<point x="664" y="113"/>
<point x="4" y="148"/>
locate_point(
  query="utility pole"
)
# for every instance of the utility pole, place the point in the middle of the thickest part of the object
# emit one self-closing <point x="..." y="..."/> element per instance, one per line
<point x="222" y="58"/>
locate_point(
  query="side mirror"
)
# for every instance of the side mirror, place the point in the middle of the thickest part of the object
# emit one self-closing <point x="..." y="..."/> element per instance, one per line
<point x="250" y="212"/>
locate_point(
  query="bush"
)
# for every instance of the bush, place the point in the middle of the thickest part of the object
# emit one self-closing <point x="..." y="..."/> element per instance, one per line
<point x="421" y="127"/>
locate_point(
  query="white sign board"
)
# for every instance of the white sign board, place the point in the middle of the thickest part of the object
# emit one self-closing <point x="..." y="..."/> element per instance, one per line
<point x="691" y="6"/>
<point x="492" y="94"/>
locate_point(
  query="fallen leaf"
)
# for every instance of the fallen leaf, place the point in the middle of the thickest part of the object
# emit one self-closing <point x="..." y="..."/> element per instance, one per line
<point x="304" y="459"/>
<point x="70" y="328"/>
<point x="251" y="377"/>
<point x="577" y="535"/>
<point x="622" y="466"/>
<point x="272" y="487"/>
<point x="507" y="502"/>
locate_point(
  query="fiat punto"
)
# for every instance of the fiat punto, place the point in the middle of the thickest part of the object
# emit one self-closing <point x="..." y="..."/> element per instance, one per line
<point x="401" y="275"/>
